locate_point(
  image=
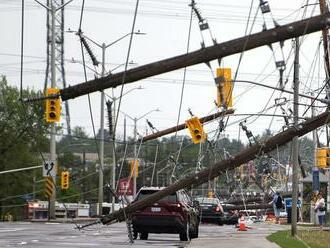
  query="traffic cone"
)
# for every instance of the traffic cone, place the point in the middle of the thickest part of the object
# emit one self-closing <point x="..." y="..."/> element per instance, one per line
<point x="242" y="224"/>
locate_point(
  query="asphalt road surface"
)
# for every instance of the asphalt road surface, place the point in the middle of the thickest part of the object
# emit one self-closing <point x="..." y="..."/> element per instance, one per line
<point x="49" y="235"/>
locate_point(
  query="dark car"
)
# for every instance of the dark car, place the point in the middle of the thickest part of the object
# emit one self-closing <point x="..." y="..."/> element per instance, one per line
<point x="230" y="217"/>
<point x="211" y="210"/>
<point x="174" y="213"/>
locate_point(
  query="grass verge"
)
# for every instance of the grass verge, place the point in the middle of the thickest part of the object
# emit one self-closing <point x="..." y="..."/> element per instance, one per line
<point x="285" y="240"/>
<point x="315" y="238"/>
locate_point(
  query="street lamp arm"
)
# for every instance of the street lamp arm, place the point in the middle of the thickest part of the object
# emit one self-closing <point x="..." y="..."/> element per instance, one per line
<point x="157" y="110"/>
<point x="119" y="39"/>
<point x="136" y="88"/>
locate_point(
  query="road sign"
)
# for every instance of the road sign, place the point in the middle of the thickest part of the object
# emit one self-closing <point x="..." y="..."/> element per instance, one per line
<point x="125" y="186"/>
<point x="49" y="169"/>
<point x="49" y="186"/>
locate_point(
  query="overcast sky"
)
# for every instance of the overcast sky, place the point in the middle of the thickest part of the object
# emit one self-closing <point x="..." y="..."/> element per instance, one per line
<point x="166" y="24"/>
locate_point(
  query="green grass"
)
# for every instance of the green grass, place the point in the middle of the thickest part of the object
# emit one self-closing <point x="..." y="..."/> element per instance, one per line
<point x="285" y="240"/>
<point x="315" y="238"/>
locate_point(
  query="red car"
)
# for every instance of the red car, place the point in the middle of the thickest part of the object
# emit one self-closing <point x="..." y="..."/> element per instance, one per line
<point x="174" y="213"/>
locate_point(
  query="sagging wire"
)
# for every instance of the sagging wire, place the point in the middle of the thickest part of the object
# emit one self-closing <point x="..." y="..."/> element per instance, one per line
<point x="177" y="159"/>
<point x="277" y="48"/>
<point x="22" y="49"/>
<point x="184" y="73"/>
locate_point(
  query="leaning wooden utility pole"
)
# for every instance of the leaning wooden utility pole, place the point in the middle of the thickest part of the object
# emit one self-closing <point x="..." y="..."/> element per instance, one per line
<point x="217" y="169"/>
<point x="295" y="148"/>
<point x="203" y="55"/>
<point x="325" y="33"/>
<point x="183" y="126"/>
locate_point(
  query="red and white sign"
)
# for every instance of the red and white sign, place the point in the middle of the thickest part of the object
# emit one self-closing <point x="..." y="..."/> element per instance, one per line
<point x="125" y="186"/>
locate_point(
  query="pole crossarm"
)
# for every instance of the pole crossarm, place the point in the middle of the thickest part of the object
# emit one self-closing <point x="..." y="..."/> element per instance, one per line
<point x="203" y="55"/>
<point x="218" y="168"/>
<point x="183" y="126"/>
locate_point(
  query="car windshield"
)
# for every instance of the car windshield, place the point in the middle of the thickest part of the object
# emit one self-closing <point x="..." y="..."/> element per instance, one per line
<point x="205" y="200"/>
<point x="145" y="193"/>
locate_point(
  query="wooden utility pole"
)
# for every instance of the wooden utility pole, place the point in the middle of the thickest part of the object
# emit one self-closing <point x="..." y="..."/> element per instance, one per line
<point x="324" y="10"/>
<point x="295" y="148"/>
<point x="203" y="55"/>
<point x="183" y="126"/>
<point x="220" y="167"/>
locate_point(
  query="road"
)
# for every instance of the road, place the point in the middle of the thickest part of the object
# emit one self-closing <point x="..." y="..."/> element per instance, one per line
<point x="26" y="234"/>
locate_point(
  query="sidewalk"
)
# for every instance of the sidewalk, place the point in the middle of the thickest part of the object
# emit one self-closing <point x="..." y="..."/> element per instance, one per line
<point x="228" y="237"/>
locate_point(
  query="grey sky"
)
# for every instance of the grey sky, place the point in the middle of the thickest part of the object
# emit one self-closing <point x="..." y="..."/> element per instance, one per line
<point x="166" y="24"/>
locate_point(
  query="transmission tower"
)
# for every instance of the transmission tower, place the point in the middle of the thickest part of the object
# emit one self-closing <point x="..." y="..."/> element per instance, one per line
<point x="59" y="54"/>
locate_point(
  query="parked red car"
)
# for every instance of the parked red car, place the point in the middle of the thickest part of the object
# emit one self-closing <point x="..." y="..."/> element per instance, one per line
<point x="174" y="213"/>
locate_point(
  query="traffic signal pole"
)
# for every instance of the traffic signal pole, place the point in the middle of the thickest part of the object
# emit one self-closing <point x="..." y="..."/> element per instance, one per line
<point x="203" y="55"/>
<point x="52" y="199"/>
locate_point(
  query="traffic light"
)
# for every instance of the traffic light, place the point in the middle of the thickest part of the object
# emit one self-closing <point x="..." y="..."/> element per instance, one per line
<point x="210" y="194"/>
<point x="134" y="167"/>
<point x="53" y="106"/>
<point x="65" y="180"/>
<point x="224" y="87"/>
<point x="322" y="157"/>
<point x="196" y="130"/>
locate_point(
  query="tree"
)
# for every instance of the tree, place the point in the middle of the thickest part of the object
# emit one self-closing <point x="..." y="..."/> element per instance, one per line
<point x="22" y="139"/>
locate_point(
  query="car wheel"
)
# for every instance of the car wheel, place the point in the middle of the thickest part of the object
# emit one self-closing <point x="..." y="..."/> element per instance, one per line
<point x="185" y="235"/>
<point x="144" y="236"/>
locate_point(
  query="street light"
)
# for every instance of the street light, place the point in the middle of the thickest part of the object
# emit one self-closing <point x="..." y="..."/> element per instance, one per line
<point x="136" y="119"/>
<point x="103" y="46"/>
<point x="114" y="99"/>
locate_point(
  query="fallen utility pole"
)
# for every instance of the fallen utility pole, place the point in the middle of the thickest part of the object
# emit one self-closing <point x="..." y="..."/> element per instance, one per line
<point x="248" y="207"/>
<point x="217" y="169"/>
<point x="203" y="55"/>
<point x="258" y="199"/>
<point x="183" y="126"/>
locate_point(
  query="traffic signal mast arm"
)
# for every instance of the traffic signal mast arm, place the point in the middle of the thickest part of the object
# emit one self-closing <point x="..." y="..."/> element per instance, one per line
<point x="218" y="168"/>
<point x="183" y="126"/>
<point x="203" y="55"/>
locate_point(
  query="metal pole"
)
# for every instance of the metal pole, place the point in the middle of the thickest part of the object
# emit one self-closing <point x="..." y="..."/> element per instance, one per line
<point x="295" y="149"/>
<point x="153" y="170"/>
<point x="53" y="125"/>
<point x="100" y="196"/>
<point x="315" y="171"/>
<point x="135" y="157"/>
<point x="114" y="155"/>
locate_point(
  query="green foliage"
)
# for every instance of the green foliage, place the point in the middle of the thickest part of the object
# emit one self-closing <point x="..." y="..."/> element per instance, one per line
<point x="22" y="138"/>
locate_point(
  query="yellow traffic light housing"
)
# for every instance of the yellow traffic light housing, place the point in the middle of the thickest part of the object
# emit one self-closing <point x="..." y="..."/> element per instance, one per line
<point x="224" y="87"/>
<point x="134" y="168"/>
<point x="210" y="194"/>
<point x="53" y="106"/>
<point x="322" y="157"/>
<point x="65" y="180"/>
<point x="196" y="130"/>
